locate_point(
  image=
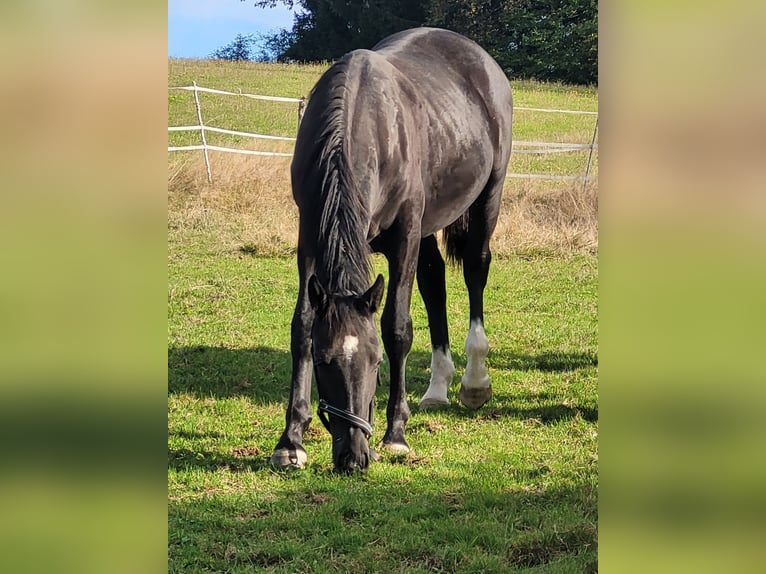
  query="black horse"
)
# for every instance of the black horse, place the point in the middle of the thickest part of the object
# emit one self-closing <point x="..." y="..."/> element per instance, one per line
<point x="397" y="143"/>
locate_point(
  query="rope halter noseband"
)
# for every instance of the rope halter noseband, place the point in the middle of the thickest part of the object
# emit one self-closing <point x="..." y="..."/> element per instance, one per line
<point x="347" y="416"/>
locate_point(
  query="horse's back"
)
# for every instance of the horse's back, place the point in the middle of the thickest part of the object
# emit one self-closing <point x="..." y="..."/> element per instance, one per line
<point x="464" y="115"/>
<point x="423" y="118"/>
<point x="427" y="52"/>
<point x="448" y="68"/>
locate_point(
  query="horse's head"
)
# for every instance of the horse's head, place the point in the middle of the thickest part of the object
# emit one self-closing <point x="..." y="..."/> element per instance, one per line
<point x="346" y="353"/>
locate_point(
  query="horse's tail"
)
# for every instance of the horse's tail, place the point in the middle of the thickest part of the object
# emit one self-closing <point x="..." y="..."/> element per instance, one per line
<point x="455" y="237"/>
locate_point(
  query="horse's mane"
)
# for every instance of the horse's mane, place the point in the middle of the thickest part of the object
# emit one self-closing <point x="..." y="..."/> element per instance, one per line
<point x="343" y="255"/>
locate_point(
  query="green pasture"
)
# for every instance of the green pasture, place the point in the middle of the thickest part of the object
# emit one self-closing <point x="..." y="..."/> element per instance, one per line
<point x="510" y="487"/>
<point x="293" y="80"/>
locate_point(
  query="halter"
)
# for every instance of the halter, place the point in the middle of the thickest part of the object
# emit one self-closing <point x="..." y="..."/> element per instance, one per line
<point x="347" y="416"/>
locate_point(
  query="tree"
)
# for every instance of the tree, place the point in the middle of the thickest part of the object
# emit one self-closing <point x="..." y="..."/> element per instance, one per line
<point x="553" y="40"/>
<point x="238" y="49"/>
<point x="327" y="29"/>
<point x="541" y="39"/>
<point x="274" y="46"/>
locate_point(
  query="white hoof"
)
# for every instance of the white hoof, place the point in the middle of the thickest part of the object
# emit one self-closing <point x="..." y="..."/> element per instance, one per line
<point x="427" y="403"/>
<point x="474" y="398"/>
<point x="283" y="458"/>
<point x="395" y="448"/>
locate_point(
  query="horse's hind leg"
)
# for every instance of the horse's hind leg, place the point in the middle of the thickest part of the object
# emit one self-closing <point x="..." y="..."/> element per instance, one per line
<point x="431" y="285"/>
<point x="475" y="388"/>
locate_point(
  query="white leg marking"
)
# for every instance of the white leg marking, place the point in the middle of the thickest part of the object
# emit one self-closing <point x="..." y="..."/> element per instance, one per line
<point x="350" y="346"/>
<point x="476" y="351"/>
<point x="442" y="369"/>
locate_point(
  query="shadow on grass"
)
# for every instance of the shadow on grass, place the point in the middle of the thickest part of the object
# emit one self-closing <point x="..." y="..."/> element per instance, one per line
<point x="546" y="362"/>
<point x="446" y="520"/>
<point x="495" y="409"/>
<point x="260" y="373"/>
<point x="183" y="459"/>
<point x="441" y="524"/>
<point x="546" y="414"/>
<point x="263" y="375"/>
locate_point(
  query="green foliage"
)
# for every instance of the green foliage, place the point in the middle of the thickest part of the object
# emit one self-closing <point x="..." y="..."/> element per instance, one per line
<point x="552" y="40"/>
<point x="326" y="30"/>
<point x="541" y="39"/>
<point x="241" y="48"/>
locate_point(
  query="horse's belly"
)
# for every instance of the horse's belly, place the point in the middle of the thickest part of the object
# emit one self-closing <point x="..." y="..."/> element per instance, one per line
<point x="451" y="192"/>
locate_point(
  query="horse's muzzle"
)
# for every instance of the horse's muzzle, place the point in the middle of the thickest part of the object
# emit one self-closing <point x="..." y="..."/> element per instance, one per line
<point x="350" y="466"/>
<point x="352" y="452"/>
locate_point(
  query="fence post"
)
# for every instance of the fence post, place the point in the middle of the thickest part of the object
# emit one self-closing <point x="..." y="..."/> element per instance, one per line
<point x="301" y="105"/>
<point x="202" y="131"/>
<point x="590" y="156"/>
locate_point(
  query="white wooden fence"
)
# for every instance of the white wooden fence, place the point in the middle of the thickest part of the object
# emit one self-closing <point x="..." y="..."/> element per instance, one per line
<point x="519" y="147"/>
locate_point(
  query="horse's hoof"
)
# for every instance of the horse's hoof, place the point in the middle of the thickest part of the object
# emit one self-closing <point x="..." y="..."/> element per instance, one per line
<point x="374" y="456"/>
<point x="432" y="404"/>
<point x="285" y="458"/>
<point x="474" y="398"/>
<point x="395" y="448"/>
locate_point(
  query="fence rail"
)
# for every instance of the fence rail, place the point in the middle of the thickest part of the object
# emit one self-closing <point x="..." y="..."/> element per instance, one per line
<point x="519" y="147"/>
<point x="546" y="110"/>
<point x="232" y="132"/>
<point x="196" y="88"/>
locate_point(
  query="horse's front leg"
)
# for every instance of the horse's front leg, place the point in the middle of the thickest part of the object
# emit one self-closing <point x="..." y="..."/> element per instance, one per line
<point x="289" y="452"/>
<point x="396" y="329"/>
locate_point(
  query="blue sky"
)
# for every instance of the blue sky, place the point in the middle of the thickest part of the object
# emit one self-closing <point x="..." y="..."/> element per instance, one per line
<point x="198" y="27"/>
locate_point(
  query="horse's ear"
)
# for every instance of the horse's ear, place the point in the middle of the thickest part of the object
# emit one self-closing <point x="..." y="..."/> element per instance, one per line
<point x="374" y="295"/>
<point x="317" y="294"/>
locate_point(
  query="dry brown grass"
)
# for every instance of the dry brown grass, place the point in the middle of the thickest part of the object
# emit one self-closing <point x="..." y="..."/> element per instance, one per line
<point x="249" y="207"/>
<point x="551" y="216"/>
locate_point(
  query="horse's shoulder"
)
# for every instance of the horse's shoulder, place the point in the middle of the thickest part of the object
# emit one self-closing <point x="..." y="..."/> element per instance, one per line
<point x="364" y="56"/>
<point x="370" y="64"/>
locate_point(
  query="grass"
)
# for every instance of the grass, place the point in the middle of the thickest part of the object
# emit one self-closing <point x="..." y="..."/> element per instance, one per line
<point x="510" y="487"/>
<point x="253" y="193"/>
<point x="277" y="118"/>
